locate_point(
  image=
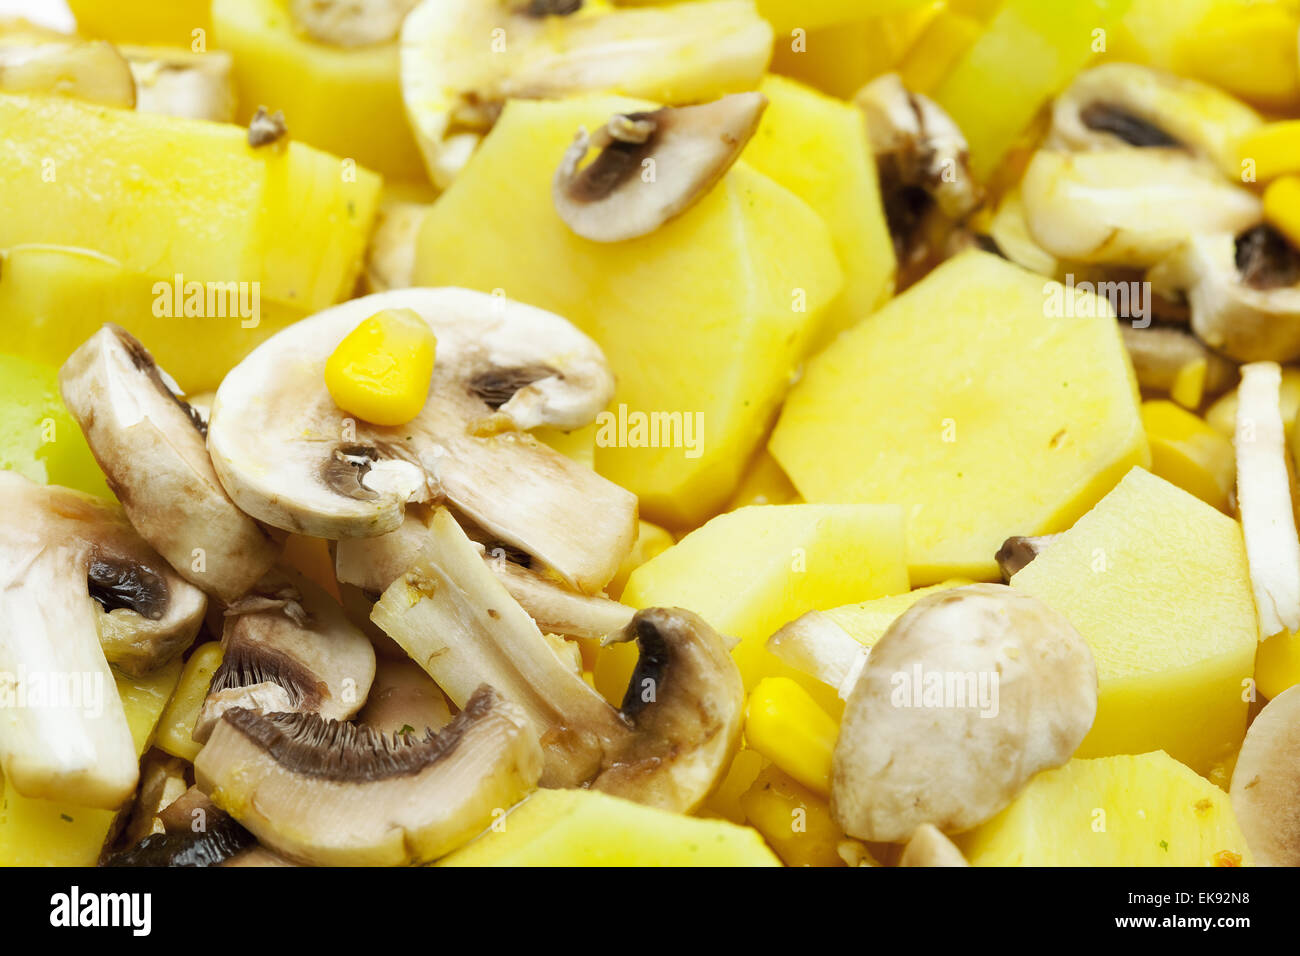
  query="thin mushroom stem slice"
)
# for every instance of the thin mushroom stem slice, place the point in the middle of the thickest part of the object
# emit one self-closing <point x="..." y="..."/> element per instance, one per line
<point x="690" y="148"/>
<point x="151" y="446"/>
<point x="290" y="457"/>
<point x="1264" y="499"/>
<point x="1265" y="782"/>
<point x="669" y="744"/>
<point x="334" y="794"/>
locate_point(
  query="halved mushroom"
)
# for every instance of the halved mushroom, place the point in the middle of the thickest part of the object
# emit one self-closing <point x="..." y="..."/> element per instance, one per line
<point x="404" y="700"/>
<point x="815" y="645"/>
<point x="971" y="692"/>
<point x="372" y="564"/>
<point x="91" y="70"/>
<point x="335" y="794"/>
<point x="1018" y="550"/>
<point x="462" y="59"/>
<point x="151" y="447"/>
<point x="351" y="23"/>
<point x="679" y="722"/>
<point x="1161" y="352"/>
<point x="290" y="457"/>
<point x="1266" y="780"/>
<point x="1264" y="499"/>
<point x="929" y="847"/>
<point x="288" y="647"/>
<point x="923" y="162"/>
<point x="176" y="82"/>
<point x="74" y="574"/>
<point x="1118" y="105"/>
<point x="609" y="200"/>
<point x="1129" y="207"/>
<point x="1243" y="291"/>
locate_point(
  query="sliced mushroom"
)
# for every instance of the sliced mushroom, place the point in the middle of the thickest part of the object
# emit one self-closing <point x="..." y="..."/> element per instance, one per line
<point x="162" y="781"/>
<point x="288" y="647"/>
<point x="1266" y="780"/>
<point x="1243" y="291"/>
<point x="462" y="59"/>
<point x="217" y="844"/>
<point x="390" y="258"/>
<point x="924" y="166"/>
<point x="290" y="457"/>
<point x="971" y="692"/>
<point x="929" y="847"/>
<point x="680" y="720"/>
<point x="91" y="70"/>
<point x="372" y="564"/>
<point x="176" y="82"/>
<point x="1129" y="207"/>
<point x="610" y="200"/>
<point x="403" y="700"/>
<point x="1119" y="105"/>
<point x="1018" y="550"/>
<point x="351" y="23"/>
<point x="151" y="447"/>
<point x="72" y="572"/>
<point x="329" y="793"/>
<point x="1264" y="499"/>
<point x="815" y="645"/>
<point x="1161" y="352"/>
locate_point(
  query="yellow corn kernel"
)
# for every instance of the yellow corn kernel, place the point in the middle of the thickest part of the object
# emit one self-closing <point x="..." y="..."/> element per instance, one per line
<point x="1188" y="452"/>
<point x="381" y="370"/>
<point x="1282" y="207"/>
<point x="1189" y="383"/>
<point x="788" y="727"/>
<point x="794" y="821"/>
<point x="1248" y="50"/>
<point x="176" y="725"/>
<point x="1271" y="151"/>
<point x="933" y="56"/>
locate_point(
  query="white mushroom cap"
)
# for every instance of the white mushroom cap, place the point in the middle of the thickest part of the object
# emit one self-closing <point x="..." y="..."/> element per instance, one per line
<point x="290" y="457"/>
<point x="971" y="692"/>
<point x="1266" y="780"/>
<point x="609" y="200"/>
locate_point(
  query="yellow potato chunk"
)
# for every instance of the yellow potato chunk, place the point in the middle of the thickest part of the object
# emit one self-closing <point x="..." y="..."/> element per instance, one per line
<point x="1145" y="810"/>
<point x="1156" y="582"/>
<point x="702" y="321"/>
<point x="1277" y="664"/>
<point x="169" y="197"/>
<point x="817" y="148"/>
<point x="155" y="22"/>
<point x="1012" y="409"/>
<point x="1222" y="415"/>
<point x="381" y="370"/>
<point x="345" y="101"/>
<point x="46" y="833"/>
<point x="1188" y="452"/>
<point x="176" y="725"/>
<point x="1282" y="207"/>
<point x="868" y="621"/>
<point x="764" y="484"/>
<point x="651" y="540"/>
<point x="589" y="828"/>
<point x="788" y="15"/>
<point x="750" y="571"/>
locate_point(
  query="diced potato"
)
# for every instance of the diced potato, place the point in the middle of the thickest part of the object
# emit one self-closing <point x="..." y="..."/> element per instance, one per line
<point x="156" y="22"/>
<point x="1277" y="664"/>
<point x="345" y="101"/>
<point x="788" y="15"/>
<point x="1189" y="453"/>
<point x="1156" y="582"/>
<point x="817" y="148"/>
<point x="1029" y="53"/>
<point x="936" y="51"/>
<point x="724" y="801"/>
<point x="1222" y="415"/>
<point x="750" y="571"/>
<point x="796" y="822"/>
<point x="1145" y="810"/>
<point x="45" y="833"/>
<point x="54" y="298"/>
<point x="651" y="540"/>
<point x="702" y="321"/>
<point x="176" y="725"/>
<point x="38" y="438"/>
<point x="1022" y="417"/>
<point x="589" y="828"/>
<point x="764" y="484"/>
<point x="167" y="197"/>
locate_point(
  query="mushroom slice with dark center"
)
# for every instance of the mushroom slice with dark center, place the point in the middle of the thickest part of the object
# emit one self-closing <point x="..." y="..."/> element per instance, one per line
<point x="152" y="448"/>
<point x="290" y="457"/>
<point x="334" y="794"/>
<point x="1266" y="779"/>
<point x="194" y="833"/>
<point x="64" y="734"/>
<point x="372" y="564"/>
<point x="1019" y="695"/>
<point x="1243" y="292"/>
<point x="682" y="717"/>
<point x="689" y="147"/>
<point x="463" y="59"/>
<point x="1118" y="105"/>
<point x="287" y="646"/>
